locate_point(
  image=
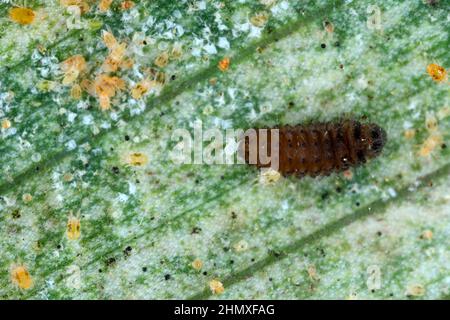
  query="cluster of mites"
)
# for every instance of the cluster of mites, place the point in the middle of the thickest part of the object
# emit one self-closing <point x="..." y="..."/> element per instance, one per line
<point x="321" y="148"/>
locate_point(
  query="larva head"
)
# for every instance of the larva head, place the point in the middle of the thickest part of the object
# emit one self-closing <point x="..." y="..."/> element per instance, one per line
<point x="376" y="139"/>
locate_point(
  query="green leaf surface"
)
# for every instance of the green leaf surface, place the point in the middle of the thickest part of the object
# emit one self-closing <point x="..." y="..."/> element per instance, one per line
<point x="379" y="231"/>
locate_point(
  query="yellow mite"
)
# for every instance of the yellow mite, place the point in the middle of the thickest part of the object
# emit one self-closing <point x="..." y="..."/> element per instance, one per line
<point x="75" y="92"/>
<point x="137" y="159"/>
<point x="259" y="19"/>
<point x="216" y="286"/>
<point x="6" y="124"/>
<point x="436" y="72"/>
<point x="72" y="67"/>
<point x="21" y="277"/>
<point x="116" y="55"/>
<point x="22" y="16"/>
<point x="162" y="60"/>
<point x="83" y="5"/>
<point x="224" y="64"/>
<point x="73" y="228"/>
<point x="142" y="88"/>
<point x="126" y="5"/>
<point x="433" y="141"/>
<point x="106" y="87"/>
<point x="104" y="5"/>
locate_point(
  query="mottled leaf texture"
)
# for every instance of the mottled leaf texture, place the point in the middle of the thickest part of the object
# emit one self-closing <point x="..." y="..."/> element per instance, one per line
<point x="92" y="206"/>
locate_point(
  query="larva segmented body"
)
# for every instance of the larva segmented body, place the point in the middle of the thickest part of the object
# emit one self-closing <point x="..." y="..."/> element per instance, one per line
<point x="320" y="149"/>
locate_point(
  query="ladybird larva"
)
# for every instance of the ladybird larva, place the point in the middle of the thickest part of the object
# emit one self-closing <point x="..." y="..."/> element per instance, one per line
<point x="316" y="149"/>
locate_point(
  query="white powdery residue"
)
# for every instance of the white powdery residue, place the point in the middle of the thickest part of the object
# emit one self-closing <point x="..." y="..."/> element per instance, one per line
<point x="232" y="93"/>
<point x="196" y="52"/>
<point x="223" y="43"/>
<point x="73" y="279"/>
<point x="180" y="30"/>
<point x="150" y="21"/>
<point x="218" y="20"/>
<point x="201" y="5"/>
<point x="71" y="116"/>
<point x="36" y="56"/>
<point x="412" y="105"/>
<point x="131" y="188"/>
<point x="71" y="145"/>
<point x="285" y="205"/>
<point x="9" y="202"/>
<point x="407" y="125"/>
<point x="177" y="14"/>
<point x="59" y="198"/>
<point x="220" y="100"/>
<point x="87" y="120"/>
<point x="392" y="193"/>
<point x="197" y="44"/>
<point x="105" y="125"/>
<point x="9" y="132"/>
<point x="122" y="197"/>
<point x="362" y="82"/>
<point x="242" y="28"/>
<point x="82" y="105"/>
<point x="210" y="48"/>
<point x="374" y="278"/>
<point x="280" y="7"/>
<point x="36" y="157"/>
<point x="114" y="116"/>
<point x="142" y="105"/>
<point x="135" y="111"/>
<point x="97" y="151"/>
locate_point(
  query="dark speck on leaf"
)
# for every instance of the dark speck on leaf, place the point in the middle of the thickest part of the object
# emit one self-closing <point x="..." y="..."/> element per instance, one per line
<point x="144" y="269"/>
<point x="323" y="45"/>
<point x="115" y="170"/>
<point x="16" y="214"/>
<point x="167" y="277"/>
<point x="196" y="230"/>
<point x="110" y="261"/>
